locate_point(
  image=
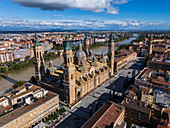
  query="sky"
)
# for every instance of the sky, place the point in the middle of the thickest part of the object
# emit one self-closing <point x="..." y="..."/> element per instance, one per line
<point x="85" y="14"/>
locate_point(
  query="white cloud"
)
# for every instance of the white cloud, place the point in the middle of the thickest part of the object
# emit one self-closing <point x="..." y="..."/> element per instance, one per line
<point x="91" y="5"/>
<point x="14" y="23"/>
<point x="120" y="2"/>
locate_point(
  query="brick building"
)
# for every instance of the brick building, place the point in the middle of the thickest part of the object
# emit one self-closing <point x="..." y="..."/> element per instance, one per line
<point x="136" y="112"/>
<point x="109" y="115"/>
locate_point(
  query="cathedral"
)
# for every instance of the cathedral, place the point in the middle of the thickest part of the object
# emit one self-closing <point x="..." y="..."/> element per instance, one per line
<point x="80" y="73"/>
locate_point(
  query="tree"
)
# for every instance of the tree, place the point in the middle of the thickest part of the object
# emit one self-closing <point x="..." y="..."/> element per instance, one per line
<point x="57" y="47"/>
<point x="33" y="79"/>
<point x="17" y="60"/>
<point x="27" y="57"/>
<point x="18" y="84"/>
<point x="3" y="69"/>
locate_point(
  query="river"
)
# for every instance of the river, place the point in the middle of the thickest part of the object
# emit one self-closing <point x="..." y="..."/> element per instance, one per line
<point x="9" y="79"/>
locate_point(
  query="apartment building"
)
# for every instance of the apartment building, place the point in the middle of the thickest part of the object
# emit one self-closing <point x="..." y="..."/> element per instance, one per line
<point x="30" y="105"/>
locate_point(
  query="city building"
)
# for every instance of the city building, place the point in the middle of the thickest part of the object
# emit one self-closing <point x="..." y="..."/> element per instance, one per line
<point x="122" y="61"/>
<point x="27" y="106"/>
<point x="155" y="79"/>
<point x="136" y="112"/>
<point x="147" y="95"/>
<point x="110" y="115"/>
<point x="160" y="97"/>
<point x="21" y="54"/>
<point x="158" y="65"/>
<point x="144" y="114"/>
<point x="6" y="57"/>
<point x="79" y="74"/>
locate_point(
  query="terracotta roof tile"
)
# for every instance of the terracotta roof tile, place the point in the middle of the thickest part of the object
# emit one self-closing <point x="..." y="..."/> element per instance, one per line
<point x="106" y="115"/>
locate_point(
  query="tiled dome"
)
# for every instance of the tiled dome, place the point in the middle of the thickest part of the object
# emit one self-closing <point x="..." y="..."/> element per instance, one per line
<point x="80" y="53"/>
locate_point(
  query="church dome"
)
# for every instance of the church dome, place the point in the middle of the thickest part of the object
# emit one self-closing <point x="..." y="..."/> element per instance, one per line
<point x="80" y="53"/>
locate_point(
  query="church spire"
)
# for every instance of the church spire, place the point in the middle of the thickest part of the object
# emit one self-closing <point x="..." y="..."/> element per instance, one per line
<point x="67" y="47"/>
<point x="110" y="61"/>
<point x="67" y="37"/>
<point x="69" y="73"/>
<point x="36" y="40"/>
<point x="39" y="60"/>
<point x="86" y="43"/>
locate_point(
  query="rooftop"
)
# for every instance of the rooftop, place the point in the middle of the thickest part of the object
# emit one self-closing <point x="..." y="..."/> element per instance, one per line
<point x="136" y="105"/>
<point x="107" y="114"/>
<point x="159" y="49"/>
<point x="159" y="62"/>
<point x="120" y="58"/>
<point x="23" y="109"/>
<point x="155" y="78"/>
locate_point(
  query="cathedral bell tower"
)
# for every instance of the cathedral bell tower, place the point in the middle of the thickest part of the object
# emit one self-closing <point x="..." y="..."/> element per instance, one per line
<point x="39" y="60"/>
<point x="110" y="61"/>
<point x="86" y="43"/>
<point x="69" y="73"/>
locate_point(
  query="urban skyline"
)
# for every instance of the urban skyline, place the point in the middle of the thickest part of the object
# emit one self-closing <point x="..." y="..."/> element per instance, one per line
<point x="84" y="64"/>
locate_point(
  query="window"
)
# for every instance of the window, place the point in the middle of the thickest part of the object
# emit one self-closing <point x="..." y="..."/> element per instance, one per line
<point x="71" y="76"/>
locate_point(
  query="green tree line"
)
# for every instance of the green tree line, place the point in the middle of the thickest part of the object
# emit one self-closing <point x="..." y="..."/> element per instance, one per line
<point x="17" y="64"/>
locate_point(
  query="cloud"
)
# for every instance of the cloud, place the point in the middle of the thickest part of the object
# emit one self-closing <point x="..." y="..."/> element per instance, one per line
<point x="20" y="24"/>
<point x="118" y="2"/>
<point x="60" y="5"/>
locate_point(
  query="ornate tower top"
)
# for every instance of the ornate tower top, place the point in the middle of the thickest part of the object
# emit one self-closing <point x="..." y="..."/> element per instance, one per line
<point x="67" y="37"/>
<point x="86" y="39"/>
<point x="36" y="40"/>
<point x="111" y="38"/>
<point x="86" y="44"/>
<point x="67" y="47"/>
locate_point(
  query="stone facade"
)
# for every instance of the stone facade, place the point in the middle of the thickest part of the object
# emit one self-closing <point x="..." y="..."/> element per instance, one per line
<point x="80" y="73"/>
<point x="39" y="60"/>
